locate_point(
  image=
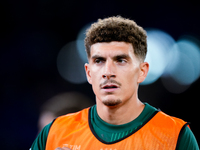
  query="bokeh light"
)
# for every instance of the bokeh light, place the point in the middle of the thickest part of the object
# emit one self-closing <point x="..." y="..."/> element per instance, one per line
<point x="189" y="61"/>
<point x="183" y="66"/>
<point x="80" y="42"/>
<point x="72" y="57"/>
<point x="176" y="62"/>
<point x="159" y="43"/>
<point x="70" y="65"/>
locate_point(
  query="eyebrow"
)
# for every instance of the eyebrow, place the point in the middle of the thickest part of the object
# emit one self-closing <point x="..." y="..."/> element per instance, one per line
<point x="97" y="56"/>
<point x="121" y="56"/>
<point x="114" y="57"/>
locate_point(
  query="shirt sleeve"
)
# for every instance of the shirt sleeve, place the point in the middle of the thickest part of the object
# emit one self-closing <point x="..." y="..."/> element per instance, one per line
<point x="40" y="141"/>
<point x="188" y="140"/>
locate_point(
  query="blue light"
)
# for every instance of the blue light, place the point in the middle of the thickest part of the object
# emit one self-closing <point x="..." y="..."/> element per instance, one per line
<point x="159" y="45"/>
<point x="80" y="42"/>
<point x="186" y="68"/>
<point x="70" y="65"/>
<point x="184" y="65"/>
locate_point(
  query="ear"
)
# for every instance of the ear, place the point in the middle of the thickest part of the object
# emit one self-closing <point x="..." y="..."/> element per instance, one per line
<point x="88" y="73"/>
<point x="144" y="68"/>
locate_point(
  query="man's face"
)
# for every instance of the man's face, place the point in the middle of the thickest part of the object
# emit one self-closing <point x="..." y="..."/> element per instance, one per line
<point x="114" y="72"/>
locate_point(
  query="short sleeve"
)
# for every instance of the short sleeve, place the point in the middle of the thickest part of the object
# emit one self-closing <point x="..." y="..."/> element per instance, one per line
<point x="40" y="141"/>
<point x="187" y="140"/>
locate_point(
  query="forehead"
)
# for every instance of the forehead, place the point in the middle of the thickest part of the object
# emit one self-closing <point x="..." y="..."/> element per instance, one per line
<point x="111" y="47"/>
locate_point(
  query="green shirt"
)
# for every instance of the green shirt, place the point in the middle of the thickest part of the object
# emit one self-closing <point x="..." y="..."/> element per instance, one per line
<point x="109" y="133"/>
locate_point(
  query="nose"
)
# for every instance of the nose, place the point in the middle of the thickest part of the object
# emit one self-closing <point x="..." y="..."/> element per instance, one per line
<point x="109" y="70"/>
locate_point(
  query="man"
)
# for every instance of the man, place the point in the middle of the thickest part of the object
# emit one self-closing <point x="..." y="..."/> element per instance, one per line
<point x="116" y="49"/>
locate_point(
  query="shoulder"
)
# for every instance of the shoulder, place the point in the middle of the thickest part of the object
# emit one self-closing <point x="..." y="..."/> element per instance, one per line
<point x="185" y="137"/>
<point x="170" y="121"/>
<point x="40" y="141"/>
<point x="187" y="140"/>
<point x="166" y="125"/>
<point x="71" y="120"/>
<point x="80" y="115"/>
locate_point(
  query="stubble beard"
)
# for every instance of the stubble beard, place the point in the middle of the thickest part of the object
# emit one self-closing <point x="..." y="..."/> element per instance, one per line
<point x="112" y="102"/>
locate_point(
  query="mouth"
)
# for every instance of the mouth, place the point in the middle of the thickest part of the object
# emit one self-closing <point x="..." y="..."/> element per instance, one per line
<point x="110" y="88"/>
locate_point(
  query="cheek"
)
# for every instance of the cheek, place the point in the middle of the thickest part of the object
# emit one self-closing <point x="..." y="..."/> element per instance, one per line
<point x="132" y="77"/>
<point x="95" y="80"/>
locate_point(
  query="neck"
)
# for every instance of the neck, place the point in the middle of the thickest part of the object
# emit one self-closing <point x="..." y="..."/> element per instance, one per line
<point x="121" y="114"/>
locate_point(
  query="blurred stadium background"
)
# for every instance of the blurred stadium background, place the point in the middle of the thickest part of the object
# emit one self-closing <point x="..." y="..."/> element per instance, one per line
<point x="42" y="55"/>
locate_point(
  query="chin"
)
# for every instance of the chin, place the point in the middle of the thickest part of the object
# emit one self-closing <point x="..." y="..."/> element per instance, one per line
<point x="112" y="102"/>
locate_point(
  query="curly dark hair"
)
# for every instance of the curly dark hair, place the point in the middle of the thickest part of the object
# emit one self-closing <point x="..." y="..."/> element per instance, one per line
<point x="117" y="29"/>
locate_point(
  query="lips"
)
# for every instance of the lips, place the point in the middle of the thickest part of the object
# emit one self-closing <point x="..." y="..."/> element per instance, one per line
<point x="110" y="88"/>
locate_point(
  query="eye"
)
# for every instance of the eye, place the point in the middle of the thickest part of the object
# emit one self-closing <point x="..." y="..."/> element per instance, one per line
<point x="98" y="61"/>
<point x="122" y="60"/>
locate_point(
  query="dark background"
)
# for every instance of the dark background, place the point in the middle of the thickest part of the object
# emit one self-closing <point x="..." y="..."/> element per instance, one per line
<point x="32" y="32"/>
